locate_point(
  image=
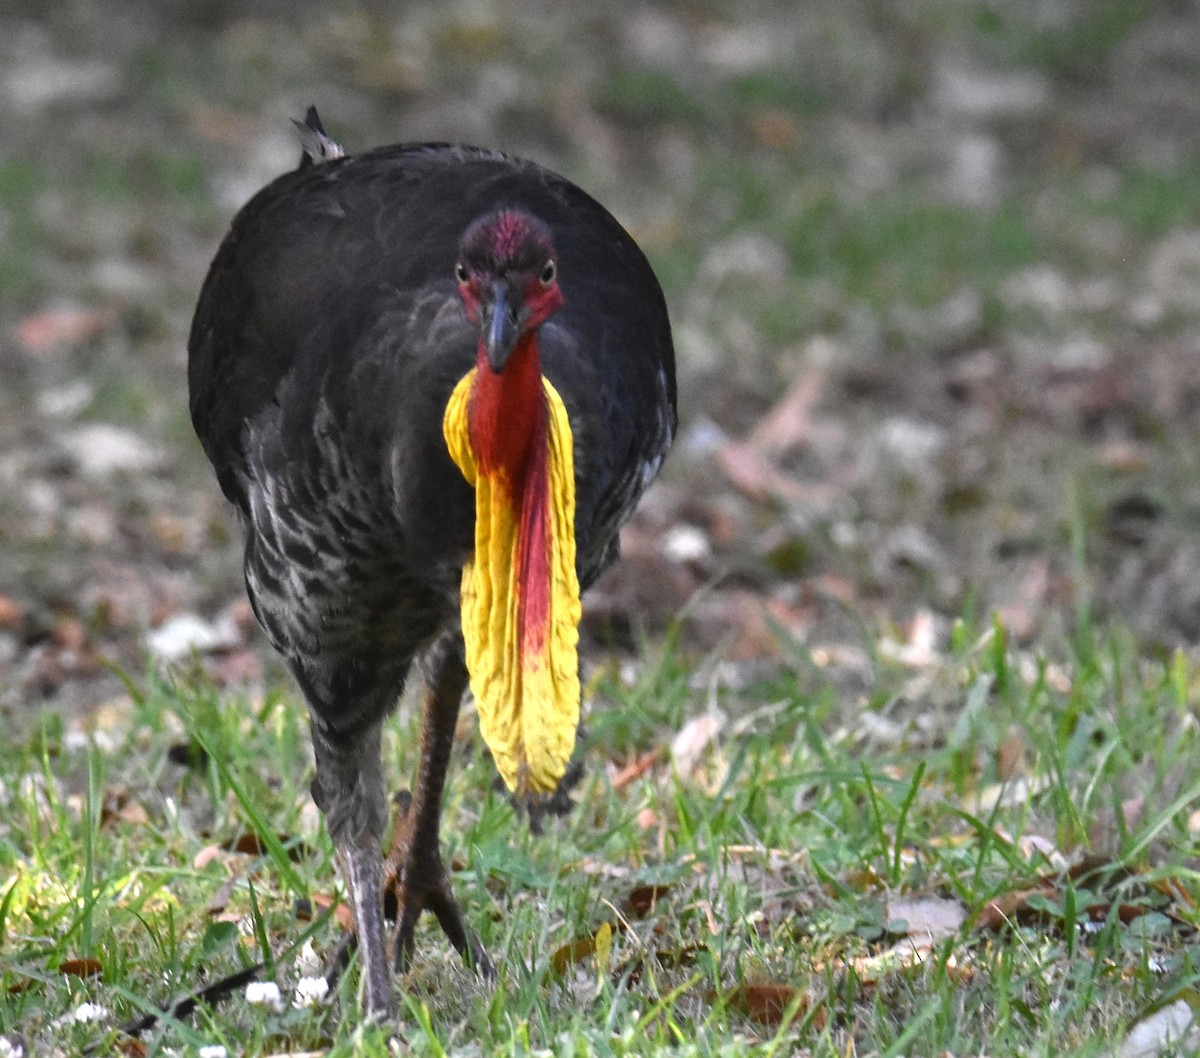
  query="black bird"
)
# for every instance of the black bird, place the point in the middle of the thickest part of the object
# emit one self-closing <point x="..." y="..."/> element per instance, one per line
<point x="434" y="380"/>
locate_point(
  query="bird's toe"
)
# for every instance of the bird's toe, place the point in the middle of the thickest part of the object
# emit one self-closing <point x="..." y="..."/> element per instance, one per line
<point x="430" y="891"/>
<point x="416" y="880"/>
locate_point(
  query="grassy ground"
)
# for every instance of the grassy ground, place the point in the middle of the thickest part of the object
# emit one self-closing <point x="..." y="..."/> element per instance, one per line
<point x="987" y="859"/>
<point x="832" y="807"/>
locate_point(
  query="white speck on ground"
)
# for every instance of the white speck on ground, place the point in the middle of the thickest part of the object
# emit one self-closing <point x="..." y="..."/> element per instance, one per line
<point x="84" y="1014"/>
<point x="264" y="993"/>
<point x="100" y="450"/>
<point x="310" y="991"/>
<point x="177" y="637"/>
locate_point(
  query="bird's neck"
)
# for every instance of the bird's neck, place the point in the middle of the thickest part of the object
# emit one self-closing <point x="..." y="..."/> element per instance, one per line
<point x="508" y="415"/>
<point x="510" y="435"/>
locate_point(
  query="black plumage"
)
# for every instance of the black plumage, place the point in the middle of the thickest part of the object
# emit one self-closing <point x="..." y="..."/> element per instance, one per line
<point x="328" y="337"/>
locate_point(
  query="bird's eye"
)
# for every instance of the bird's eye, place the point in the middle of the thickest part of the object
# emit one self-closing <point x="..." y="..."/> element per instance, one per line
<point x="548" y="273"/>
<point x="460" y="272"/>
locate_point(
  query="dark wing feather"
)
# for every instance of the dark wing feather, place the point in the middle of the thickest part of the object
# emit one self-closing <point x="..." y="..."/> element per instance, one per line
<point x="319" y="256"/>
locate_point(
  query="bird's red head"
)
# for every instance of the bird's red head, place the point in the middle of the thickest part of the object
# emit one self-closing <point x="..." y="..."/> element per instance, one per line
<point x="508" y="276"/>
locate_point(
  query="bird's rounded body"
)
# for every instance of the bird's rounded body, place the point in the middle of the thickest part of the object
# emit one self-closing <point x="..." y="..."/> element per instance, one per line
<point x="329" y="337"/>
<point x="327" y="341"/>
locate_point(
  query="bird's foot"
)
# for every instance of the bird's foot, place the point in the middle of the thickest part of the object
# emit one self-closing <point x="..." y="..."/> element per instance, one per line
<point x="416" y="880"/>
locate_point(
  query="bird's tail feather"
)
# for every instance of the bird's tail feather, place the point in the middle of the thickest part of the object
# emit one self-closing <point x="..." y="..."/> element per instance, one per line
<point x="317" y="146"/>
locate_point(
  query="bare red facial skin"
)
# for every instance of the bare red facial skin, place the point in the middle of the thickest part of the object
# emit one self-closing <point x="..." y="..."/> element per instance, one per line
<point x="515" y="249"/>
<point x="541" y="300"/>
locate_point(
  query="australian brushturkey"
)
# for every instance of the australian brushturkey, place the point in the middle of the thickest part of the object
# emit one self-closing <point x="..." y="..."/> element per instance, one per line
<point x="434" y="380"/>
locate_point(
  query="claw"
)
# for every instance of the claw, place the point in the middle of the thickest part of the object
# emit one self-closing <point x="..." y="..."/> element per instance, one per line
<point x="416" y="880"/>
<point x="440" y="900"/>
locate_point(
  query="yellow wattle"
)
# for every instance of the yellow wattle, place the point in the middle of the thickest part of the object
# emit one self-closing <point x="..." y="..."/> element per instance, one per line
<point x="528" y="700"/>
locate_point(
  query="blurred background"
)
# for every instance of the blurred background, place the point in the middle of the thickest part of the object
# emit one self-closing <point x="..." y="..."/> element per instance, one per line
<point x="933" y="266"/>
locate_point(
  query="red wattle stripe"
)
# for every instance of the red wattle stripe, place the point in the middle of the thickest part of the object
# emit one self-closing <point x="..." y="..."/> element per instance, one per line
<point x="533" y="559"/>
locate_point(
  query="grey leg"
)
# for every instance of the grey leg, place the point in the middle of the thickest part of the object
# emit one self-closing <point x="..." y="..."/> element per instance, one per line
<point x="349" y="789"/>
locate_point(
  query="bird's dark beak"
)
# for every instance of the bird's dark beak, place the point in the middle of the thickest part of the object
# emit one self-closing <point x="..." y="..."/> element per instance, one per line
<point x="499" y="328"/>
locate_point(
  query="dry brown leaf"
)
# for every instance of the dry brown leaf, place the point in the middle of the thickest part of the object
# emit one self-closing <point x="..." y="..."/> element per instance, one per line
<point x="753" y="473"/>
<point x="920" y="641"/>
<point x="1174" y="890"/>
<point x="11" y="614"/>
<point x="843" y="656"/>
<point x="862" y="880"/>
<point x="1133" y="809"/>
<point x="70" y="633"/>
<point x="750" y="464"/>
<point x="1035" y="846"/>
<point x="342" y="912"/>
<point x="119" y="806"/>
<point x="1011" y="907"/>
<point x="135" y="813"/>
<point x="250" y="844"/>
<point x="642" y="587"/>
<point x="736" y="620"/>
<point x="573" y="952"/>
<point x="583" y="947"/>
<point x="205" y="856"/>
<point x="236" y="668"/>
<point x="767" y="1003"/>
<point x="774" y="858"/>
<point x="636" y="768"/>
<point x="223" y="126"/>
<point x="641" y="900"/>
<point x="1125" y="912"/>
<point x="63" y="326"/>
<point x="685" y="956"/>
<point x="85" y="967"/>
<point x="1006" y="794"/>
<point x="647" y="818"/>
<point x="220" y="900"/>
<point x="789" y="424"/>
<point x="175" y="535"/>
